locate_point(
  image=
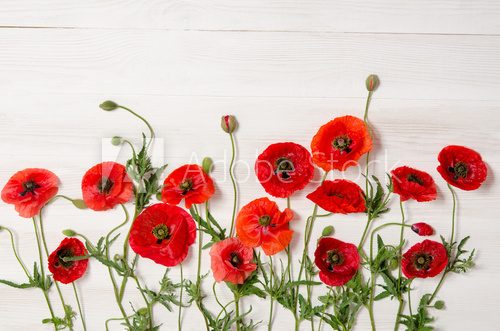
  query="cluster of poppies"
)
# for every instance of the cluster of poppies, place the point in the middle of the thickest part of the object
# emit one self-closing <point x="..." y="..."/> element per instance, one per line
<point x="164" y="231"/>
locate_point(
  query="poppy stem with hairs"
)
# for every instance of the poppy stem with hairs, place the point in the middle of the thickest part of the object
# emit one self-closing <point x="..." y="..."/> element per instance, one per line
<point x="42" y="272"/>
<point x="400" y="273"/>
<point x="452" y="239"/>
<point x="13" y="244"/>
<point x="233" y="181"/>
<point x="179" y="316"/>
<point x="82" y="317"/>
<point x="198" y="273"/>
<point x="56" y="283"/>
<point x="237" y="310"/>
<point x="269" y="325"/>
<point x="409" y="297"/>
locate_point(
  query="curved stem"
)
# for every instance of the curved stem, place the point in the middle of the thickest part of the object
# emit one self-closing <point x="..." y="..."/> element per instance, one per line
<point x="146" y="301"/>
<point x="12" y="241"/>
<point x="151" y="131"/>
<point x="233" y="181"/>
<point x="401" y="238"/>
<point x="82" y="317"/>
<point x="180" y="300"/>
<point x="42" y="271"/>
<point x="56" y="283"/>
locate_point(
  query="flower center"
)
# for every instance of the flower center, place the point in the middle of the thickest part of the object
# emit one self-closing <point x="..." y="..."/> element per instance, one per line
<point x="235" y="260"/>
<point x="60" y="258"/>
<point x="161" y="233"/>
<point x="29" y="187"/>
<point x="284" y="167"/>
<point x="459" y="170"/>
<point x="333" y="258"/>
<point x="415" y="179"/>
<point x="105" y="185"/>
<point x="265" y="220"/>
<point x="342" y="143"/>
<point x="186" y="186"/>
<point x="423" y="261"/>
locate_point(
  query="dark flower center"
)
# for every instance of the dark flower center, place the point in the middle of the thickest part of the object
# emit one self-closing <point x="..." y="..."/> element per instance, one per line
<point x="459" y="170"/>
<point x="334" y="194"/>
<point x="61" y="254"/>
<point x="333" y="258"/>
<point x="284" y="167"/>
<point x="105" y="185"/>
<point x="234" y="260"/>
<point x="342" y="143"/>
<point x="265" y="220"/>
<point x="161" y="232"/>
<point x="186" y="186"/>
<point x="29" y="187"/>
<point x="423" y="261"/>
<point x="415" y="179"/>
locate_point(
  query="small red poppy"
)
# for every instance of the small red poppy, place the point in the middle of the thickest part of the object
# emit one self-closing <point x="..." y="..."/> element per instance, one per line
<point x="231" y="261"/>
<point x="29" y="190"/>
<point x="261" y="223"/>
<point x="284" y="168"/>
<point x="190" y="183"/>
<point x="414" y="184"/>
<point x="339" y="196"/>
<point x="163" y="233"/>
<point x="462" y="167"/>
<point x="422" y="229"/>
<point x="68" y="271"/>
<point x="337" y="261"/>
<point x="106" y="185"/>
<point x="340" y="143"/>
<point x="425" y="259"/>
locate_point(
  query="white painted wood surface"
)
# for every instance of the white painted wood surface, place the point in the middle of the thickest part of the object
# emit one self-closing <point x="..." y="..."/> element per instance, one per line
<point x="283" y="68"/>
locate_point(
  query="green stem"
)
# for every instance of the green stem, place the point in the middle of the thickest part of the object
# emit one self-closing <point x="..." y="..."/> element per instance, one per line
<point x="146" y="301"/>
<point x="237" y="311"/>
<point x="56" y="283"/>
<point x="198" y="273"/>
<point x="235" y="190"/>
<point x="42" y="272"/>
<point x="151" y="131"/>
<point x="12" y="241"/>
<point x="180" y="299"/>
<point x="82" y="317"/>
<point x="400" y="274"/>
<point x="409" y="297"/>
<point x="269" y="325"/>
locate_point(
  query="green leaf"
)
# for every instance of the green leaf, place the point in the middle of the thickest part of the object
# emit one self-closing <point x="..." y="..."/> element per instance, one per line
<point x="79" y="203"/>
<point x="16" y="285"/>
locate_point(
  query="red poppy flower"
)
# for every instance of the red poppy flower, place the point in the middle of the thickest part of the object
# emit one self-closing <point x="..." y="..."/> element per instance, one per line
<point x="425" y="259"/>
<point x="414" y="184"/>
<point x="337" y="261"/>
<point x="339" y="196"/>
<point x="231" y="261"/>
<point x="163" y="233"/>
<point x="261" y="223"/>
<point x="284" y="168"/>
<point x="190" y="183"/>
<point x="422" y="229"/>
<point x="106" y="185"/>
<point x="462" y="167"/>
<point x="68" y="271"/>
<point x="29" y="190"/>
<point x="340" y="143"/>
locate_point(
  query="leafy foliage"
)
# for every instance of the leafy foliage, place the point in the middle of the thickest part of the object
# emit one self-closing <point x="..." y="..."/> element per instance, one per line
<point x="377" y="198"/>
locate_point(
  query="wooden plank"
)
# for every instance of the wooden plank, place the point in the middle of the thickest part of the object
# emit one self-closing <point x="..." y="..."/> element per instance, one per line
<point x="411" y="16"/>
<point x="248" y="64"/>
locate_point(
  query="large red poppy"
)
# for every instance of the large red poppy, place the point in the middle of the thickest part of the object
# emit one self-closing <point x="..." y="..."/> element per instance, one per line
<point x="337" y="261"/>
<point x="414" y="184"/>
<point x="425" y="259"/>
<point x="163" y="233"/>
<point x="190" y="183"/>
<point x="261" y="223"/>
<point x="339" y="196"/>
<point x="284" y="168"/>
<point x="231" y="261"/>
<point x="68" y="271"/>
<point x="462" y="167"/>
<point x="106" y="185"/>
<point x="340" y="143"/>
<point x="29" y="190"/>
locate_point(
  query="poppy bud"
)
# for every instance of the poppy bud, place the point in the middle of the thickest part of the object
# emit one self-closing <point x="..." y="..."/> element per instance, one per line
<point x="327" y="231"/>
<point x="69" y="233"/>
<point x="207" y="165"/>
<point x="422" y="229"/>
<point x="372" y="82"/>
<point x="108" y="105"/>
<point x="143" y="312"/>
<point x="116" y="141"/>
<point x="228" y="123"/>
<point x="392" y="264"/>
<point x="439" y="305"/>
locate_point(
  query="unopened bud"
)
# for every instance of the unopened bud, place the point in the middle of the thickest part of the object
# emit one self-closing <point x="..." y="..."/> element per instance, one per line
<point x="207" y="165"/>
<point x="116" y="141"/>
<point x="372" y="82"/>
<point x="228" y="123"/>
<point x="69" y="233"/>
<point x="439" y="305"/>
<point x="108" y="105"/>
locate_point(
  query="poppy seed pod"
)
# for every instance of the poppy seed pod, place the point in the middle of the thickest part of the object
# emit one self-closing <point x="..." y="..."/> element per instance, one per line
<point x="228" y="123"/>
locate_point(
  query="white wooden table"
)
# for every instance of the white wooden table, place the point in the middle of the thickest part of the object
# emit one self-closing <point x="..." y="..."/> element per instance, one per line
<point x="283" y="67"/>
